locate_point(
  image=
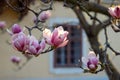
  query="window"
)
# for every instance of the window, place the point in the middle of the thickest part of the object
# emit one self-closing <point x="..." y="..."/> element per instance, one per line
<point x="69" y="55"/>
<point x="83" y="45"/>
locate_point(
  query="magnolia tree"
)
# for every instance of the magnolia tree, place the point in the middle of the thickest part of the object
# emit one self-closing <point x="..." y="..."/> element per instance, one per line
<point x="97" y="59"/>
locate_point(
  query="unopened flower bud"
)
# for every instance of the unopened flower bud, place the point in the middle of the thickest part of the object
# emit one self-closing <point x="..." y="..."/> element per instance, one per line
<point x="2" y="24"/>
<point x="16" y="28"/>
<point x="44" y="15"/>
<point x="15" y="59"/>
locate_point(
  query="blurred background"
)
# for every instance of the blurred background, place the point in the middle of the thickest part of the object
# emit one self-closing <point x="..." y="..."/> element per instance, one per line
<point x="50" y="66"/>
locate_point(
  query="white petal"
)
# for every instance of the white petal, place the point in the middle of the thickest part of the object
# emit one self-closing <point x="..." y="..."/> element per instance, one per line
<point x="84" y="60"/>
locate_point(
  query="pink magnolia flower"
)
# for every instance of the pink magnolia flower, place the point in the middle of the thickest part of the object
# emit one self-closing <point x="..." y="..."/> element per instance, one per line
<point x="19" y="42"/>
<point x="44" y="15"/>
<point x="35" y="47"/>
<point x="91" y="61"/>
<point x="2" y="24"/>
<point x="15" y="29"/>
<point x="114" y="11"/>
<point x="57" y="38"/>
<point x="15" y="59"/>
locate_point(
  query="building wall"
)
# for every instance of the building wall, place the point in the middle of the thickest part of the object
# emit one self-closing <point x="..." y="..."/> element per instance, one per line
<point x="39" y="67"/>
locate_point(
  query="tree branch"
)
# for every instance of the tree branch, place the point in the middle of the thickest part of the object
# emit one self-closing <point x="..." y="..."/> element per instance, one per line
<point x="81" y="18"/>
<point x="90" y="6"/>
<point x="104" y="24"/>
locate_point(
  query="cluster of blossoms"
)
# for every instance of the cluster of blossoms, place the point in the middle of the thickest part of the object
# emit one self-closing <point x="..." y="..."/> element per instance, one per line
<point x="23" y="43"/>
<point x="91" y="61"/>
<point x="29" y="45"/>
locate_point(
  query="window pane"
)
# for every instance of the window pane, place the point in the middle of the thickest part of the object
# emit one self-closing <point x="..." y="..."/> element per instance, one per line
<point x="75" y="43"/>
<point x="58" y="60"/>
<point x="77" y="54"/>
<point x="75" y="32"/>
<point x="61" y="56"/>
<point x="75" y="51"/>
<point x="58" y="56"/>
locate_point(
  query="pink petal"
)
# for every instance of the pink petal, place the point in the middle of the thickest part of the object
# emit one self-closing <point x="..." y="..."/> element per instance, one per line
<point x="92" y="66"/>
<point x="117" y="11"/>
<point x="54" y="35"/>
<point x="66" y="33"/>
<point x="58" y="40"/>
<point x="111" y="11"/>
<point x="16" y="28"/>
<point x="40" y="50"/>
<point x="44" y="15"/>
<point x="42" y="44"/>
<point x="63" y="44"/>
<point x="32" y="49"/>
<point x="2" y="24"/>
<point x="33" y="41"/>
<point x="94" y="60"/>
<point x="48" y="41"/>
<point x="17" y="46"/>
<point x="15" y="59"/>
<point x="19" y="41"/>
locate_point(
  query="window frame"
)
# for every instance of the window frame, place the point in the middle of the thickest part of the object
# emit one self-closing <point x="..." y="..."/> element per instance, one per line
<point x="85" y="49"/>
